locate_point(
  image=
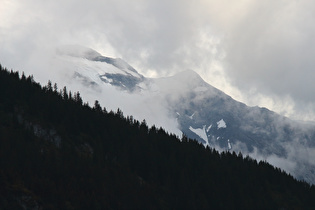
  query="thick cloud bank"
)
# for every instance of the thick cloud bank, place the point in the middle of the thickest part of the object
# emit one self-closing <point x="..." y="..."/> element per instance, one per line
<point x="259" y="52"/>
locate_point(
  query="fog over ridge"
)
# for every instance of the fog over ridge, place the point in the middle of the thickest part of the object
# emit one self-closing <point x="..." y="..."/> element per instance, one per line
<point x="77" y="68"/>
<point x="260" y="53"/>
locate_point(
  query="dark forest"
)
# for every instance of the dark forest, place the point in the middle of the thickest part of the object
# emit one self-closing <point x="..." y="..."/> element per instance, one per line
<point x="58" y="152"/>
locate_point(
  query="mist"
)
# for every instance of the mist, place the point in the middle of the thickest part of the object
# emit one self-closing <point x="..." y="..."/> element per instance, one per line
<point x="141" y="105"/>
<point x="260" y="53"/>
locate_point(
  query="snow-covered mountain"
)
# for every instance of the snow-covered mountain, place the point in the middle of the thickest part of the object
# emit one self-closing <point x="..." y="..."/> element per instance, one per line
<point x="186" y="103"/>
<point x="114" y="71"/>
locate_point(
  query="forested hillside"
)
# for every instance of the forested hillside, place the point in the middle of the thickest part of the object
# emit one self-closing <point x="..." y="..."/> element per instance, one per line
<point x="56" y="152"/>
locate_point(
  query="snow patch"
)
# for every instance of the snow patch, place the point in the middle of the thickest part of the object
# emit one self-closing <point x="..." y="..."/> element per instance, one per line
<point x="229" y="145"/>
<point x="108" y="80"/>
<point x="201" y="132"/>
<point x="191" y="117"/>
<point x="221" y="124"/>
<point x="209" y="127"/>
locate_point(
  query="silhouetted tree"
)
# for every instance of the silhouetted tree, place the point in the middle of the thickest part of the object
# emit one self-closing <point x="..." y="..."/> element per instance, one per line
<point x="65" y="93"/>
<point x="97" y="107"/>
<point x="55" y="88"/>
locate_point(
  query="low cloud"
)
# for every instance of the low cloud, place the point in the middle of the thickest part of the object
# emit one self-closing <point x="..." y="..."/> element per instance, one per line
<point x="298" y="161"/>
<point x="257" y="52"/>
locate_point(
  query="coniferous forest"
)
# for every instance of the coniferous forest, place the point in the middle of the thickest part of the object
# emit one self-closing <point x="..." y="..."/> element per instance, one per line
<point x="57" y="152"/>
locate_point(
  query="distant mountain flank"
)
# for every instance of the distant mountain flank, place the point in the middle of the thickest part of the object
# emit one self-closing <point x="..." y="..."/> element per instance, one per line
<point x="199" y="110"/>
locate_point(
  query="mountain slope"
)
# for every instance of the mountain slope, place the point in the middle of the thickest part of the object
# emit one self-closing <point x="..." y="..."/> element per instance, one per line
<point x="57" y="153"/>
<point x="185" y="103"/>
<point x="114" y="71"/>
<point x="213" y="118"/>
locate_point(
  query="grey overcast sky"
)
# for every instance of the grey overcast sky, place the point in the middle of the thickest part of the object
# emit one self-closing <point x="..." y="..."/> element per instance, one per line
<point x="259" y="52"/>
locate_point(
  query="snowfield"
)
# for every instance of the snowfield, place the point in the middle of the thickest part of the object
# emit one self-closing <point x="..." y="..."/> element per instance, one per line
<point x="221" y="124"/>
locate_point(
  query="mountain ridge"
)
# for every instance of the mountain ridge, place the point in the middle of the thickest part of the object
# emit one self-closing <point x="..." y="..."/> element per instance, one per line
<point x="197" y="107"/>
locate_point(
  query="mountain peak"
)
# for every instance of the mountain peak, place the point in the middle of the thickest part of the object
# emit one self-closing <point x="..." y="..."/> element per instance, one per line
<point x="78" y="51"/>
<point x="95" y="68"/>
<point x="190" y="78"/>
<point x="189" y="74"/>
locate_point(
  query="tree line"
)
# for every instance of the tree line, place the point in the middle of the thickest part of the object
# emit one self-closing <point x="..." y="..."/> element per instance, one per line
<point x="58" y="152"/>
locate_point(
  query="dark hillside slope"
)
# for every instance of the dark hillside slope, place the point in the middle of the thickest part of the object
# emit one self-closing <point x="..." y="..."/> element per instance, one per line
<point x="58" y="153"/>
